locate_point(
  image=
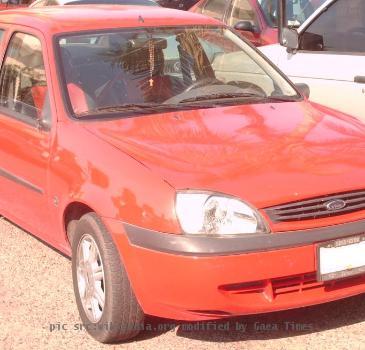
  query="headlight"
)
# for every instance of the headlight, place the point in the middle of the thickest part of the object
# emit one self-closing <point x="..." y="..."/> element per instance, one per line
<point x="210" y="213"/>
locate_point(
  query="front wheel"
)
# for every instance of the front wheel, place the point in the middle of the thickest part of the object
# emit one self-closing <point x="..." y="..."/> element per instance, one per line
<point x="107" y="305"/>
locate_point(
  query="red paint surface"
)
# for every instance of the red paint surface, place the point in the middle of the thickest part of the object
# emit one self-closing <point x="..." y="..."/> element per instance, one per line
<point x="128" y="171"/>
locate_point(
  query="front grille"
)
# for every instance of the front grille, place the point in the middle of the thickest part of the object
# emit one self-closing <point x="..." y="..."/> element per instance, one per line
<point x="276" y="286"/>
<point x="315" y="208"/>
<point x="297" y="284"/>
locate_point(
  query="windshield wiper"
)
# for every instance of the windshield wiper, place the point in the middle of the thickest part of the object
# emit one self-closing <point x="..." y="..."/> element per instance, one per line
<point x="283" y="98"/>
<point x="144" y="108"/>
<point x="224" y="95"/>
<point x="124" y="107"/>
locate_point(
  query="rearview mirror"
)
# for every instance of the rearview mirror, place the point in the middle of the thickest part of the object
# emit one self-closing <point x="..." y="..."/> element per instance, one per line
<point x="245" y="26"/>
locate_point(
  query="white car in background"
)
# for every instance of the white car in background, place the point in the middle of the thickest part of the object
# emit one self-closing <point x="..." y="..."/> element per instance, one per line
<point x="327" y="53"/>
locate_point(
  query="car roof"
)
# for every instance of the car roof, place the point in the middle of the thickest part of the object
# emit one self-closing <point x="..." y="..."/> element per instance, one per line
<point x="74" y="18"/>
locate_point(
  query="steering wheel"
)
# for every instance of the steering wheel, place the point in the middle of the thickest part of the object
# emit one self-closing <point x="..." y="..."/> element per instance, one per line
<point x="203" y="82"/>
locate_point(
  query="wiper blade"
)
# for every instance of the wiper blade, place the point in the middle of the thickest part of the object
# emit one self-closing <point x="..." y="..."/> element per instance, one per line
<point x="284" y="98"/>
<point x="123" y="107"/>
<point x="142" y="108"/>
<point x="223" y="96"/>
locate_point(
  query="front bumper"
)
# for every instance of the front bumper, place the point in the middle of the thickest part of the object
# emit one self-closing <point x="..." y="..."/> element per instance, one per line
<point x="198" y="278"/>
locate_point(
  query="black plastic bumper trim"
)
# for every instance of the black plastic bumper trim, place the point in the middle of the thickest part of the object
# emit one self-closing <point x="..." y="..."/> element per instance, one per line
<point x="203" y="245"/>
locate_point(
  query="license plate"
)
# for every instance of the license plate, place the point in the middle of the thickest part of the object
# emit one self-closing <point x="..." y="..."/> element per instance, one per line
<point x="341" y="258"/>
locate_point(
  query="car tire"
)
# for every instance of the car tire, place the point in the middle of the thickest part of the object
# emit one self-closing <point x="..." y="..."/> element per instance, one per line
<point x="97" y="268"/>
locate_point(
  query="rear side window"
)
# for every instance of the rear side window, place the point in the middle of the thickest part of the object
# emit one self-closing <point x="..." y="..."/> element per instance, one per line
<point x="1" y="35"/>
<point x="214" y="8"/>
<point x="23" y="86"/>
<point x="242" y="11"/>
<point x="339" y="29"/>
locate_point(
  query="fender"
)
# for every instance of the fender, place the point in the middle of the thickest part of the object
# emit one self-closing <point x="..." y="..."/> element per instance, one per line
<point x="107" y="185"/>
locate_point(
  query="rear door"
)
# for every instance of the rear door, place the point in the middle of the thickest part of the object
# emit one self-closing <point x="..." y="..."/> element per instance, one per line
<point x="24" y="143"/>
<point x="331" y="58"/>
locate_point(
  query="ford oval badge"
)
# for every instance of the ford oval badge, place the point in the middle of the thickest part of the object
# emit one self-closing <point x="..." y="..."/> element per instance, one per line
<point x="336" y="204"/>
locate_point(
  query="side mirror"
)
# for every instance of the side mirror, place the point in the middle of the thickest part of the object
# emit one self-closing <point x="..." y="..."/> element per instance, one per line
<point x="44" y="124"/>
<point x="304" y="89"/>
<point x="45" y="119"/>
<point x="245" y="26"/>
<point x="290" y="38"/>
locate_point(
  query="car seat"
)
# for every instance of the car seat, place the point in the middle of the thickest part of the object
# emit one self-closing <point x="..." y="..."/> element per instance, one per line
<point x="81" y="101"/>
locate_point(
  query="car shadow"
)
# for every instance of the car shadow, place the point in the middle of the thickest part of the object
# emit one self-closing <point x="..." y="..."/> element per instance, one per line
<point x="276" y="325"/>
<point x="283" y="324"/>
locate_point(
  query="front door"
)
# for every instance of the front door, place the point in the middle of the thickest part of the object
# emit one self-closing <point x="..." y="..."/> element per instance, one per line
<point x="24" y="143"/>
<point x="331" y="58"/>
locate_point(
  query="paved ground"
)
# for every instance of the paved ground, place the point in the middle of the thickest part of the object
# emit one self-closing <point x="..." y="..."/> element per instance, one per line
<point x="36" y="294"/>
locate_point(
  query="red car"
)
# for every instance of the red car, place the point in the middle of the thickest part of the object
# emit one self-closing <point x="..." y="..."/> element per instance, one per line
<point x="256" y="20"/>
<point x="11" y="4"/>
<point x="183" y="173"/>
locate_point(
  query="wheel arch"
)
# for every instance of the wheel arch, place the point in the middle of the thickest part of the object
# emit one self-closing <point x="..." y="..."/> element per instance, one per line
<point x="73" y="212"/>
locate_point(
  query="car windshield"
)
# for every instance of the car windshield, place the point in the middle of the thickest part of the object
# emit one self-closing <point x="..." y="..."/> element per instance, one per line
<point x="297" y="11"/>
<point x="165" y="68"/>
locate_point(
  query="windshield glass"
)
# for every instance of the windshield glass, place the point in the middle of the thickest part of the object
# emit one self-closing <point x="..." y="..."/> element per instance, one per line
<point x="113" y="2"/>
<point x="164" y="68"/>
<point x="297" y="11"/>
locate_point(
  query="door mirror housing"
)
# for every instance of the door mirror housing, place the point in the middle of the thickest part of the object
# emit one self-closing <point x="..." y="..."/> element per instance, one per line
<point x="288" y="36"/>
<point x="246" y="26"/>
<point x="290" y="39"/>
<point x="45" y="119"/>
<point x="44" y="124"/>
<point x="304" y="89"/>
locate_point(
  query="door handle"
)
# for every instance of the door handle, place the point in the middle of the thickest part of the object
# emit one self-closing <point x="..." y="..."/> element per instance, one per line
<point x="359" y="79"/>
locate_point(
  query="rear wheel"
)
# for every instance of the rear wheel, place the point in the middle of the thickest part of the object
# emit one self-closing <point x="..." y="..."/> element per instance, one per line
<point x="107" y="305"/>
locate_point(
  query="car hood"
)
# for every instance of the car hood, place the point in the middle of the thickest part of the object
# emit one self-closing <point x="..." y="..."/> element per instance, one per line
<point x="265" y="153"/>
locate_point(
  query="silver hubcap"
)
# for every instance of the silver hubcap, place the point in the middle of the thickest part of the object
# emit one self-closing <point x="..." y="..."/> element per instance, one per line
<point x="90" y="278"/>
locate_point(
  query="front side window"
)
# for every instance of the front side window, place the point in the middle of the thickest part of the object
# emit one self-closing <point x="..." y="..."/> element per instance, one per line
<point x="297" y="11"/>
<point x="242" y="11"/>
<point x="23" y="87"/>
<point x="340" y="29"/>
<point x="165" y="68"/>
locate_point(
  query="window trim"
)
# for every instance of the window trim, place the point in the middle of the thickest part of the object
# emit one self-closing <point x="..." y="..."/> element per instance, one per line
<point x="13" y="114"/>
<point x="338" y="53"/>
<point x="4" y="41"/>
